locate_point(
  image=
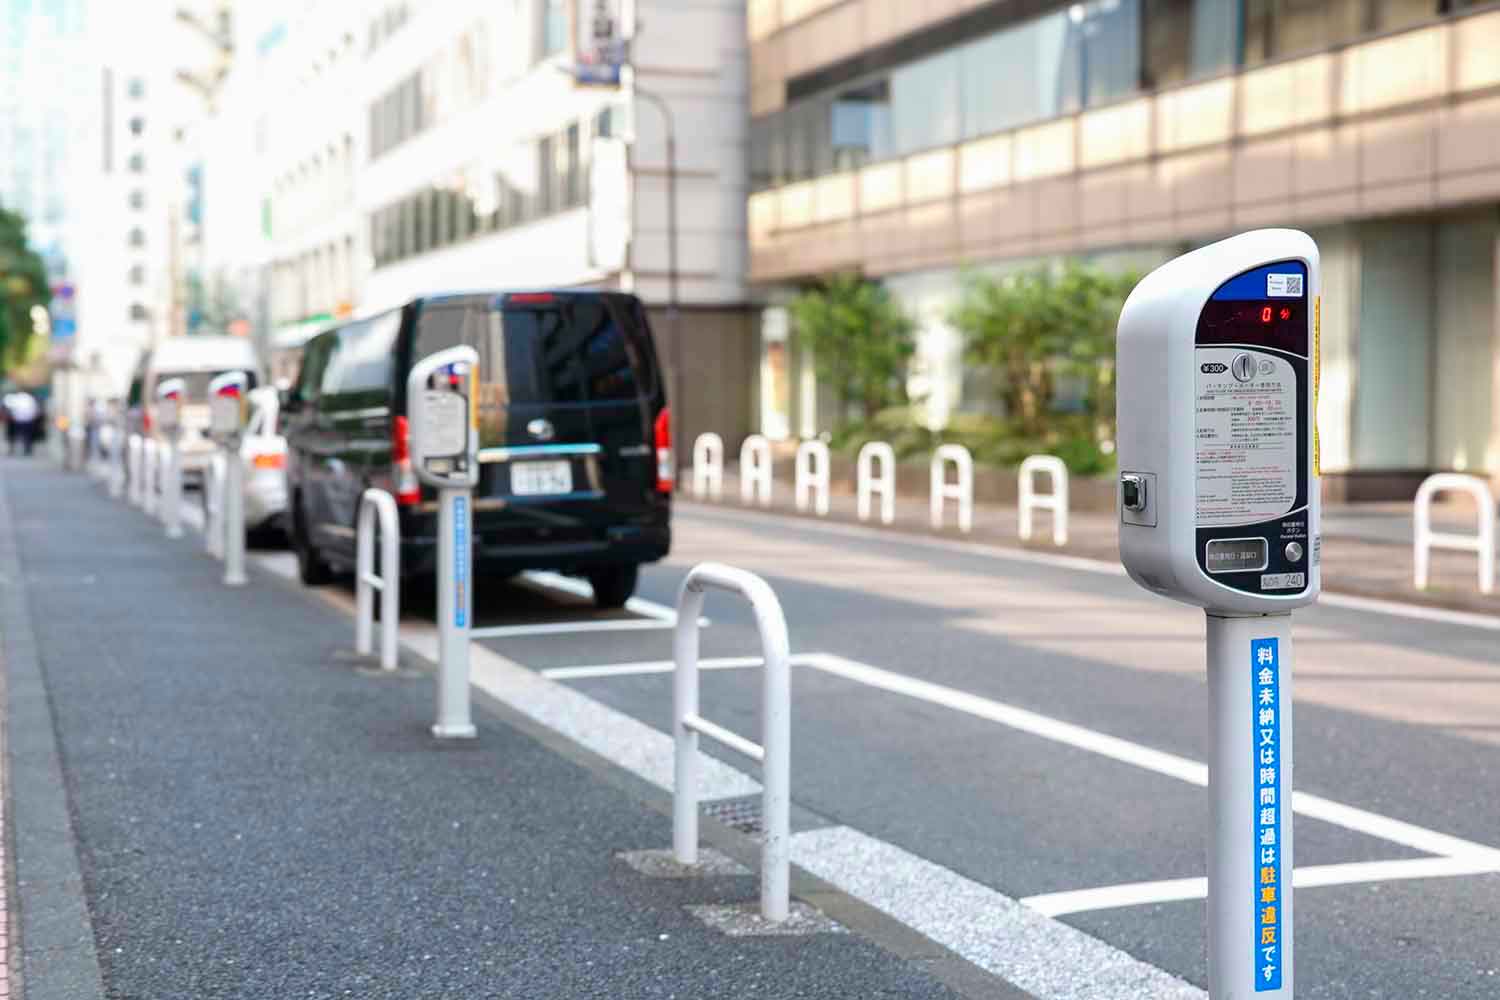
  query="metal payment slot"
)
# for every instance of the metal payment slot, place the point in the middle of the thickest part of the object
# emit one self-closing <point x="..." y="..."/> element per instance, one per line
<point x="227" y="414"/>
<point x="1219" y="507"/>
<point x="441" y="404"/>
<point x="168" y="417"/>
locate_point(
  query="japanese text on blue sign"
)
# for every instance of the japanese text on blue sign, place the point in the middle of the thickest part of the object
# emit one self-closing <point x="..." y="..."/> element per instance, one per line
<point x="460" y="561"/>
<point x="1265" y="724"/>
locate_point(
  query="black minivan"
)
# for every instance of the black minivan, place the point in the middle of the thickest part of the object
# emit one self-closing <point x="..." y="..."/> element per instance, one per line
<point x="575" y="436"/>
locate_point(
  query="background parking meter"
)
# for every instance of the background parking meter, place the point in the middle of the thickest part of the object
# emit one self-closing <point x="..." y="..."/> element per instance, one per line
<point x="1217" y="370"/>
<point x="168" y="413"/>
<point x="226" y="415"/>
<point x="441" y="407"/>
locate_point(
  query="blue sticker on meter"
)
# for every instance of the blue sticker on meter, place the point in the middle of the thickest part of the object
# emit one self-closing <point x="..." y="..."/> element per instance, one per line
<point x="1265" y="725"/>
<point x="460" y="561"/>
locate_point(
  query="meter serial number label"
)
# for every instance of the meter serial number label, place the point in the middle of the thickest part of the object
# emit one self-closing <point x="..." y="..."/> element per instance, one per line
<point x="1245" y="436"/>
<point x="445" y="423"/>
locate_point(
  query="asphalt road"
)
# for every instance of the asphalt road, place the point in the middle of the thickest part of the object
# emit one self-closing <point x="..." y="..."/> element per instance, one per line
<point x="989" y="778"/>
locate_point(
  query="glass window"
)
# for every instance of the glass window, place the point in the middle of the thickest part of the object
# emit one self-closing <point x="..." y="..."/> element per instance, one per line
<point x="1390" y="15"/>
<point x="925" y="108"/>
<point x="1017" y="76"/>
<point x="554" y="27"/>
<point x="860" y="125"/>
<point x="138" y="312"/>
<point x="136" y="163"/>
<point x="547" y="189"/>
<point x="1107" y="34"/>
<point x="1276" y="28"/>
<point x="137" y="125"/>
<point x="573" y="162"/>
<point x="137" y="274"/>
<point x="137" y="237"/>
<point x="362" y="361"/>
<point x="419" y="222"/>
<point x="137" y="199"/>
<point x="136" y="88"/>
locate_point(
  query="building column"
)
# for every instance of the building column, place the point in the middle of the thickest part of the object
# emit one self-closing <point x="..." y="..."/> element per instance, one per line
<point x="1492" y="453"/>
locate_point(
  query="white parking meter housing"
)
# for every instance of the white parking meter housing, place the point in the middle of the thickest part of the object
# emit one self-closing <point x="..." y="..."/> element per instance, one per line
<point x="442" y="410"/>
<point x="169" y="396"/>
<point x="227" y="395"/>
<point x="1217" y="369"/>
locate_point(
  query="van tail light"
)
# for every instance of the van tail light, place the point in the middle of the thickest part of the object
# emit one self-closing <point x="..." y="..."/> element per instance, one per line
<point x="146" y="420"/>
<point x="268" y="460"/>
<point x="408" y="490"/>
<point x="665" y="470"/>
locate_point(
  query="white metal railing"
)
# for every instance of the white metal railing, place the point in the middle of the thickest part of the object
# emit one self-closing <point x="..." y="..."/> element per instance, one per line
<point x="1425" y="539"/>
<point x="134" y="453"/>
<point x="961" y="490"/>
<point x="213" y="505"/>
<point x="755" y="470"/>
<point x="150" y="468"/>
<point x="811" y="476"/>
<point x="708" y="466"/>
<point x="377" y="510"/>
<point x="1056" y="501"/>
<point x="774" y="750"/>
<point x="867" y="482"/>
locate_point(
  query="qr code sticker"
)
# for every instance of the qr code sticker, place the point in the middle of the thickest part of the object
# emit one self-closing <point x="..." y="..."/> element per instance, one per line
<point x="1284" y="285"/>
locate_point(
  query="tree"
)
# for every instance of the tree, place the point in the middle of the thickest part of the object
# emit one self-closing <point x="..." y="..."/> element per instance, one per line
<point x="1030" y="327"/>
<point x="860" y="339"/>
<point x="23" y="287"/>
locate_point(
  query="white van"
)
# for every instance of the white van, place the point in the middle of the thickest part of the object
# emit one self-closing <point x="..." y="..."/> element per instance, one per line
<point x="195" y="360"/>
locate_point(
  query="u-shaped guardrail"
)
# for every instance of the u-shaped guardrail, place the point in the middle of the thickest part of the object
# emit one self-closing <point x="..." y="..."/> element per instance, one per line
<point x="774" y="750"/>
<point x="868" y="482"/>
<point x="1425" y="539"/>
<point x="962" y="490"/>
<point x="811" y="476"/>
<point x="755" y="470"/>
<point x="1056" y="501"/>
<point x="708" y="466"/>
<point x="377" y="510"/>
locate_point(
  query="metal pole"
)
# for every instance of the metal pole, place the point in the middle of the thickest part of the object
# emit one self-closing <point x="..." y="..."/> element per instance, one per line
<point x="232" y="504"/>
<point x="685" y="703"/>
<point x="1250" y="785"/>
<point x="455" y="609"/>
<point x="674" y="326"/>
<point x="172" y="489"/>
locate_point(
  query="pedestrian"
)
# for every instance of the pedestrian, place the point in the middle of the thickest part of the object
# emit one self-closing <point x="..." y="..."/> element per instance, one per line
<point x="23" y="410"/>
<point x="92" y="417"/>
<point x="11" y="428"/>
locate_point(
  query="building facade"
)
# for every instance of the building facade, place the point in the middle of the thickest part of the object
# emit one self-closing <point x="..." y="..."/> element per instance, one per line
<point x="911" y="142"/>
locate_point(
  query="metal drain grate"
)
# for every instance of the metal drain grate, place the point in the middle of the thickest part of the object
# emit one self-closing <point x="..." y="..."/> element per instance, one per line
<point x="742" y="813"/>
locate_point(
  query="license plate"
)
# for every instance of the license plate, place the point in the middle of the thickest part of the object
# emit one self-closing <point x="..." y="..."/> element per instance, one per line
<point x="533" y="479"/>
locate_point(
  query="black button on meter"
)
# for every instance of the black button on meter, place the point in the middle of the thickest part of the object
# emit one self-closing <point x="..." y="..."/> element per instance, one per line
<point x="1132" y="492"/>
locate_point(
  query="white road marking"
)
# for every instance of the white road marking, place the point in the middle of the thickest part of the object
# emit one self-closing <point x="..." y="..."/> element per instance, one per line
<point x="1109" y="897"/>
<point x="564" y="628"/>
<point x="658" y="667"/>
<point x="1042" y="956"/>
<point x="582" y="588"/>
<point x="1395" y="609"/>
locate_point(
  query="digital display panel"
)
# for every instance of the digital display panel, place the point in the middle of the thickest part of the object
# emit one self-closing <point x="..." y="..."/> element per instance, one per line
<point x="1236" y="555"/>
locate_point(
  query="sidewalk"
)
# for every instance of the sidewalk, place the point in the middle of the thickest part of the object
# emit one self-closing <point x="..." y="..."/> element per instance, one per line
<point x="1366" y="548"/>
<point x="233" y="810"/>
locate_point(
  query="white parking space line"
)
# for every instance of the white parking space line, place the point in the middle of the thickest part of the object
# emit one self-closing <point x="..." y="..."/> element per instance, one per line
<point x="1040" y="955"/>
<point x="565" y="628"/>
<point x="1083" y="564"/>
<point x="581" y="588"/>
<point x="1109" y="897"/>
<point x="661" y="667"/>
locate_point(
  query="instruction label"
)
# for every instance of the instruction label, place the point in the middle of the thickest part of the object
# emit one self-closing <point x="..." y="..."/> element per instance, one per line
<point x="1246" y="436"/>
<point x="444" y="424"/>
<point x="461" y="560"/>
<point x="1268" y="886"/>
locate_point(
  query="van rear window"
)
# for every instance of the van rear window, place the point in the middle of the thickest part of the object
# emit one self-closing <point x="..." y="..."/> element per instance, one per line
<point x="570" y="351"/>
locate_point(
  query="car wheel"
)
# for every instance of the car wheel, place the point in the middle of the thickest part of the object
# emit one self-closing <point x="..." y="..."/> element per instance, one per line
<point x="311" y="568"/>
<point x="613" y="586"/>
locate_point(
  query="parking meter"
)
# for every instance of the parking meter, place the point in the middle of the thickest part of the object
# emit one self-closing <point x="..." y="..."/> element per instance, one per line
<point x="168" y="417"/>
<point x="442" y="418"/>
<point x="1217" y="367"/>
<point x="227" y="399"/>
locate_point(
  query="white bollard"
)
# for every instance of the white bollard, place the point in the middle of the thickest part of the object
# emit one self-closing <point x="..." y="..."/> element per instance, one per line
<point x="755" y="470"/>
<point x="150" y="467"/>
<point x="213" y="504"/>
<point x="811" y="476"/>
<point x="868" y="482"/>
<point x="134" y="453"/>
<point x="117" y="459"/>
<point x="708" y="466"/>
<point x="961" y="490"/>
<point x="171" y="489"/>
<point x="1056" y="501"/>
<point x="1425" y="539"/>
<point x="377" y="512"/>
<point x="232" y="503"/>
<point x="774" y="750"/>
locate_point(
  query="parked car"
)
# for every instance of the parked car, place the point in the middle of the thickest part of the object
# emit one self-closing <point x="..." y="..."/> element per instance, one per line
<point x="263" y="452"/>
<point x="575" y="436"/>
<point x="195" y="360"/>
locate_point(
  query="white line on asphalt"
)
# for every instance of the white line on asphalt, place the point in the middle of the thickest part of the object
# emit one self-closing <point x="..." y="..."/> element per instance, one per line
<point x="564" y="628"/>
<point x="1042" y="956"/>
<point x="1351" y="602"/>
<point x="1109" y="897"/>
<point x="582" y="588"/>
<point x="659" y="667"/>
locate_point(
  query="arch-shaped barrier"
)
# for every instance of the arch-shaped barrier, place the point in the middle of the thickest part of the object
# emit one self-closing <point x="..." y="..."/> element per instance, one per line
<point x="755" y="470"/>
<point x="377" y="514"/>
<point x="961" y="490"/>
<point x="150" y="473"/>
<point x="811" y="477"/>
<point x="708" y="466"/>
<point x="869" y="482"/>
<point x="774" y="750"/>
<point x="1425" y="539"/>
<point x="1056" y="501"/>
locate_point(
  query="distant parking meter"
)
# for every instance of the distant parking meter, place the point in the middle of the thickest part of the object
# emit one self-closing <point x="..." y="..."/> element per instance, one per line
<point x="227" y="409"/>
<point x="442" y="417"/>
<point x="169" y="395"/>
<point x="1217" y="371"/>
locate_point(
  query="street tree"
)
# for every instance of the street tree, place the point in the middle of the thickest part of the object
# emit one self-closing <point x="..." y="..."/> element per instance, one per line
<point x="23" y="287"/>
<point x="861" y="341"/>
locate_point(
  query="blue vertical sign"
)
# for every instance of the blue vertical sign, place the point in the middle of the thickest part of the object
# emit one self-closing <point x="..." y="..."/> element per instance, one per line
<point x="461" y="561"/>
<point x="1265" y="725"/>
